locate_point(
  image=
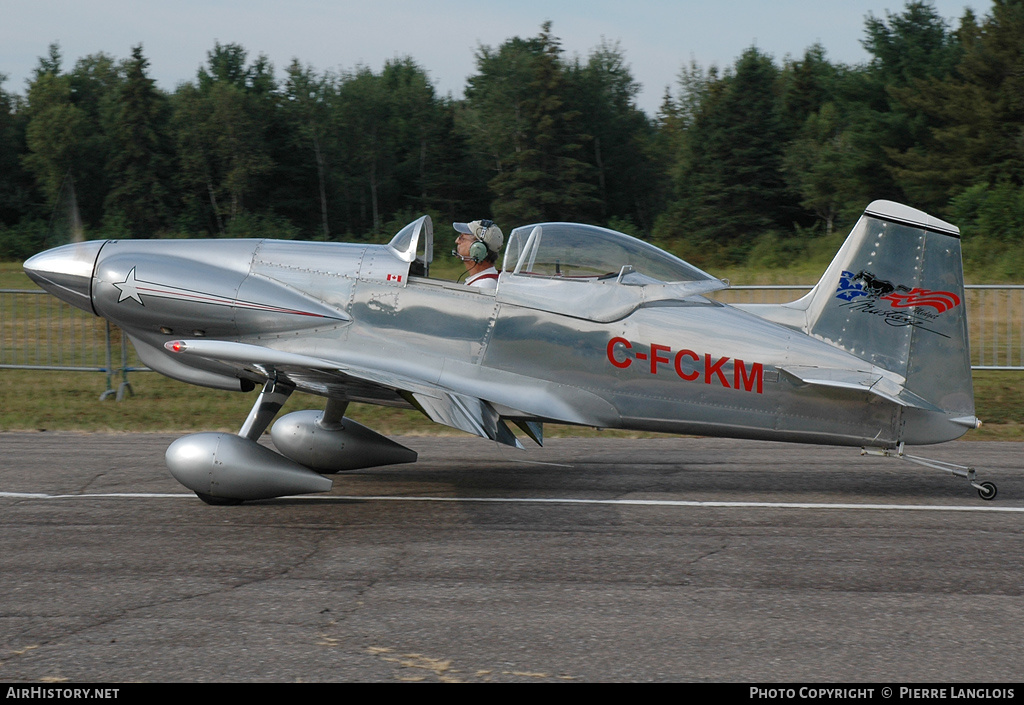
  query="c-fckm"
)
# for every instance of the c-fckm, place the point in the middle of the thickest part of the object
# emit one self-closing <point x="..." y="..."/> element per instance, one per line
<point x="587" y="326"/>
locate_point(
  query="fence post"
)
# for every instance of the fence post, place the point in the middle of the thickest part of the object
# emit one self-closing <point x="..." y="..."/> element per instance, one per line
<point x="109" y="368"/>
<point x="125" y="386"/>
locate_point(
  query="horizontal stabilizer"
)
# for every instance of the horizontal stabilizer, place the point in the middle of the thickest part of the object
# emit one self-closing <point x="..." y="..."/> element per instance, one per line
<point x="875" y="382"/>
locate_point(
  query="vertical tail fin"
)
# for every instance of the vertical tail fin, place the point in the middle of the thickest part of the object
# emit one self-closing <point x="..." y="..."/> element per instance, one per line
<point x="894" y="297"/>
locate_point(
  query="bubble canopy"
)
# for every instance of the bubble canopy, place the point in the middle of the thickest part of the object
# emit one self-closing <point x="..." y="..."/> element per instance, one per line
<point x="576" y="251"/>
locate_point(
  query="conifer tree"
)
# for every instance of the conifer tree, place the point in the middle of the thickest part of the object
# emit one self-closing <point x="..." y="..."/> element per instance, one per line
<point x="729" y="182"/>
<point x="221" y="125"/>
<point x="139" y="164"/>
<point x="534" y="136"/>
<point x="977" y="113"/>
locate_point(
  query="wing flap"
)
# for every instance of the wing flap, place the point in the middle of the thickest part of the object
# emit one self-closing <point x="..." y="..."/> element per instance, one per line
<point x="465" y="413"/>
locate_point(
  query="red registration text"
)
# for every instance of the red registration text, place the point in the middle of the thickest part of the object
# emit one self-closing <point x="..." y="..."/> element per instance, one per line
<point x="688" y="365"/>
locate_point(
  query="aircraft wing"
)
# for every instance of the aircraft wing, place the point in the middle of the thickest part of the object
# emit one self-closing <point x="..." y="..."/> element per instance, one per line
<point x="443" y="406"/>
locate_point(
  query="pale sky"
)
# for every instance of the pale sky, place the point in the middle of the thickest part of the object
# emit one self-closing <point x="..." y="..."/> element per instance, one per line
<point x="657" y="37"/>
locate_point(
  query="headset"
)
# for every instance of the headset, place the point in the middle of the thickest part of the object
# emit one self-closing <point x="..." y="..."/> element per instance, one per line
<point x="478" y="252"/>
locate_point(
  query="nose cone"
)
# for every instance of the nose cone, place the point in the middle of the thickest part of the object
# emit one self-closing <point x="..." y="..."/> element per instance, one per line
<point x="66" y="271"/>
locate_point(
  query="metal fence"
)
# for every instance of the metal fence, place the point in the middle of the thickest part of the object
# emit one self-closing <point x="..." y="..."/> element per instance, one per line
<point x="995" y="318"/>
<point x="40" y="332"/>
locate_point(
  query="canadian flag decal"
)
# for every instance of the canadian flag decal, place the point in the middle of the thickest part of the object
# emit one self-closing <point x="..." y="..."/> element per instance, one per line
<point x="394" y="277"/>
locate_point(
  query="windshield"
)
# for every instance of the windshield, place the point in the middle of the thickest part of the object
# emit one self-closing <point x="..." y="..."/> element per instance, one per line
<point x="577" y="251"/>
<point x="415" y="242"/>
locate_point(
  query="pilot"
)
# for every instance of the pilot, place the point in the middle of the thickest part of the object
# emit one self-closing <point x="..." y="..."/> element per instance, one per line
<point x="477" y="246"/>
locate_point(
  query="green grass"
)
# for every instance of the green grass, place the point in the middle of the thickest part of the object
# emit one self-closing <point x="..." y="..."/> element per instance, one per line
<point x="999" y="403"/>
<point x="69" y="401"/>
<point x="63" y="401"/>
<point x="12" y="276"/>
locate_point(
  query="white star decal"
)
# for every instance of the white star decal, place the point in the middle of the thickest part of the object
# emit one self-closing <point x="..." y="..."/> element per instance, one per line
<point x="128" y="288"/>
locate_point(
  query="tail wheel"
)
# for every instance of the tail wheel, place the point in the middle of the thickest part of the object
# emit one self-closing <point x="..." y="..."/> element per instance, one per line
<point x="987" y="491"/>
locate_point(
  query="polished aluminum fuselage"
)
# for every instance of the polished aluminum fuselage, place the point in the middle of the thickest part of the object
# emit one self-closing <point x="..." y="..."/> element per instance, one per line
<point x="683" y="366"/>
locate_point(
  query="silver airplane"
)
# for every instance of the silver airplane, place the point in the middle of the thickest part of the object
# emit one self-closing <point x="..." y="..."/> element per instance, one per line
<point x="587" y="326"/>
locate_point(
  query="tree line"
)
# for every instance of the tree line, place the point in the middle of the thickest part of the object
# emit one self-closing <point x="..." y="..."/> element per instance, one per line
<point x="752" y="162"/>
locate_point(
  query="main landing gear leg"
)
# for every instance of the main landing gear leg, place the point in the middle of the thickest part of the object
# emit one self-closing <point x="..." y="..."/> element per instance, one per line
<point x="986" y="490"/>
<point x="270" y="401"/>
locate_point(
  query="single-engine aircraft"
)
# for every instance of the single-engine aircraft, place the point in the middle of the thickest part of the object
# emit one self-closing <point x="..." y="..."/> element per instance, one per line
<point x="586" y="326"/>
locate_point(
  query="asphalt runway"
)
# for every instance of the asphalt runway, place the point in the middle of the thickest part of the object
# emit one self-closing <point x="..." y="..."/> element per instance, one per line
<point x="673" y="559"/>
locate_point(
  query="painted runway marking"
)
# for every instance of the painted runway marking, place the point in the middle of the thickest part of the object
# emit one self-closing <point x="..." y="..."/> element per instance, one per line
<point x="545" y="500"/>
<point x="98" y="495"/>
<point x="542" y="462"/>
